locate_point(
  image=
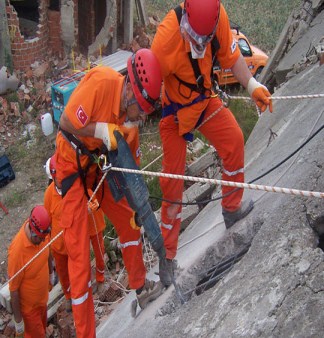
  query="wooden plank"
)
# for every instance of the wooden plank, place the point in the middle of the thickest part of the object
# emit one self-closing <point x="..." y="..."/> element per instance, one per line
<point x="141" y="12"/>
<point x="128" y="21"/>
<point x="202" y="163"/>
<point x="198" y="192"/>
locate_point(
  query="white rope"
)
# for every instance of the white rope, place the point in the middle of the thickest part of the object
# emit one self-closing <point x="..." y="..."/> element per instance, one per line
<point x="97" y="238"/>
<point x="98" y="186"/>
<point x="311" y="96"/>
<point x="148" y="165"/>
<point x="33" y="258"/>
<point x="227" y="183"/>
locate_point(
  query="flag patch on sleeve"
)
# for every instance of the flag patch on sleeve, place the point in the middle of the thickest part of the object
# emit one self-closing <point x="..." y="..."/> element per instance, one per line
<point x="81" y="115"/>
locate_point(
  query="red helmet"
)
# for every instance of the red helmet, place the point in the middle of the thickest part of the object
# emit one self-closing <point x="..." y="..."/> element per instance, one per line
<point x="50" y="167"/>
<point x="40" y="221"/>
<point x="203" y="15"/>
<point x="145" y="77"/>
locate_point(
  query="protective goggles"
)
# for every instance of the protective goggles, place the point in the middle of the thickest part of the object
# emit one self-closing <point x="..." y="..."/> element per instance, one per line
<point x="42" y="232"/>
<point x="190" y="35"/>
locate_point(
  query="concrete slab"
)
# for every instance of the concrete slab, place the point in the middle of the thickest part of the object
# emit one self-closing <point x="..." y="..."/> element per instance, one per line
<point x="292" y="121"/>
<point x="300" y="50"/>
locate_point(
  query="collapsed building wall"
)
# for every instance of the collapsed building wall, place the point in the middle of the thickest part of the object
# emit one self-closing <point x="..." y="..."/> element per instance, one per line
<point x="25" y="51"/>
<point x="58" y="27"/>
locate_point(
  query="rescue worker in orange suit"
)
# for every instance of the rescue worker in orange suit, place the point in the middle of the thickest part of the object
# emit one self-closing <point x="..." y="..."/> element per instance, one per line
<point x="186" y="42"/>
<point x="53" y="204"/>
<point x="104" y="101"/>
<point x="29" y="288"/>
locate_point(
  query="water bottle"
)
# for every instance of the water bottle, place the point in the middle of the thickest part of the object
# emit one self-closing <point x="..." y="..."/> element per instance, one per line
<point x="47" y="124"/>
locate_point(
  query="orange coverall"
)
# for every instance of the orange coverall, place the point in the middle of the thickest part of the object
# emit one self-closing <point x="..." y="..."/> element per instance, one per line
<point x="222" y="130"/>
<point x="53" y="204"/>
<point x="32" y="282"/>
<point x="96" y="99"/>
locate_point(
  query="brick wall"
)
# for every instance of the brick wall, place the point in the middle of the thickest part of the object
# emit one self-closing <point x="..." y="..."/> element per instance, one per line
<point x="54" y="32"/>
<point x="26" y="52"/>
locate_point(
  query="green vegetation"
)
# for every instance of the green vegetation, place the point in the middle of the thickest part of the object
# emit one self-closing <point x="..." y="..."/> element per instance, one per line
<point x="261" y="21"/>
<point x="15" y="199"/>
<point x="245" y="113"/>
<point x="151" y="159"/>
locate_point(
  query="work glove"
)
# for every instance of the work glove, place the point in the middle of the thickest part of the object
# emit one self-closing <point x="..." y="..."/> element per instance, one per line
<point x="260" y="94"/>
<point x="105" y="131"/>
<point x="20" y="328"/>
<point x="93" y="206"/>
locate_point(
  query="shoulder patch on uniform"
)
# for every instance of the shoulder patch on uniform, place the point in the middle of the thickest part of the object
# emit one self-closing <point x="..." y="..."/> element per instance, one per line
<point x="81" y="115"/>
<point x="233" y="46"/>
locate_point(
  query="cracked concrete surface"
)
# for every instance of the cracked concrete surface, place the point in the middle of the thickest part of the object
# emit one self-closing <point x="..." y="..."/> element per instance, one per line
<point x="277" y="288"/>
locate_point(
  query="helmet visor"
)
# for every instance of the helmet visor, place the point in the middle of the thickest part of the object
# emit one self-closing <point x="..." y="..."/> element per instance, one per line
<point x="190" y="35"/>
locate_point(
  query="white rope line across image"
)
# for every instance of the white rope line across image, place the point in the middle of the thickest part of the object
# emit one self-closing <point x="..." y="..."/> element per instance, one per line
<point x="33" y="258"/>
<point x="310" y="96"/>
<point x="288" y="191"/>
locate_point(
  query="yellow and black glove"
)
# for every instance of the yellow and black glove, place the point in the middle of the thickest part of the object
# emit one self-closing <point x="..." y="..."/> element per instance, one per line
<point x="105" y="131"/>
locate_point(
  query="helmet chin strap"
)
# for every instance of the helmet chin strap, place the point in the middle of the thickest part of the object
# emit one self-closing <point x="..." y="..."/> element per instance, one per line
<point x="196" y="53"/>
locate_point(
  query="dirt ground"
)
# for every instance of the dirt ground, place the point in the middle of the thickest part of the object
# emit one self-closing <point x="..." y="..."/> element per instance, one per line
<point x="28" y="186"/>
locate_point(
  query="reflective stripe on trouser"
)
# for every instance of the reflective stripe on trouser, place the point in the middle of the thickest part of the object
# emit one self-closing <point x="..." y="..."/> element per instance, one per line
<point x="77" y="243"/>
<point x="99" y="251"/>
<point x="120" y="214"/>
<point x="35" y="322"/>
<point x="226" y="136"/>
<point x="174" y="160"/>
<point x="61" y="265"/>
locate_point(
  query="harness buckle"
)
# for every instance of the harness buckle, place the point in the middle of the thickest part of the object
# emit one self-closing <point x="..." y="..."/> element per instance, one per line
<point x="221" y="94"/>
<point x="102" y="163"/>
<point x="224" y="97"/>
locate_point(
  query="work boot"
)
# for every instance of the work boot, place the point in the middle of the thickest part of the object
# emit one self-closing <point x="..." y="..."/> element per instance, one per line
<point x="166" y="271"/>
<point x="68" y="305"/>
<point x="150" y="291"/>
<point x="230" y="218"/>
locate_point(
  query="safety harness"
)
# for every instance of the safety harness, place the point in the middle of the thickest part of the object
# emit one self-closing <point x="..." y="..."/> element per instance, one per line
<point x="80" y="149"/>
<point x="198" y="87"/>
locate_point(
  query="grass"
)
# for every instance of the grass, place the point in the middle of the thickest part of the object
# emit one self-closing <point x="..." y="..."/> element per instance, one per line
<point x="261" y="21"/>
<point x="151" y="149"/>
<point x="16" y="198"/>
